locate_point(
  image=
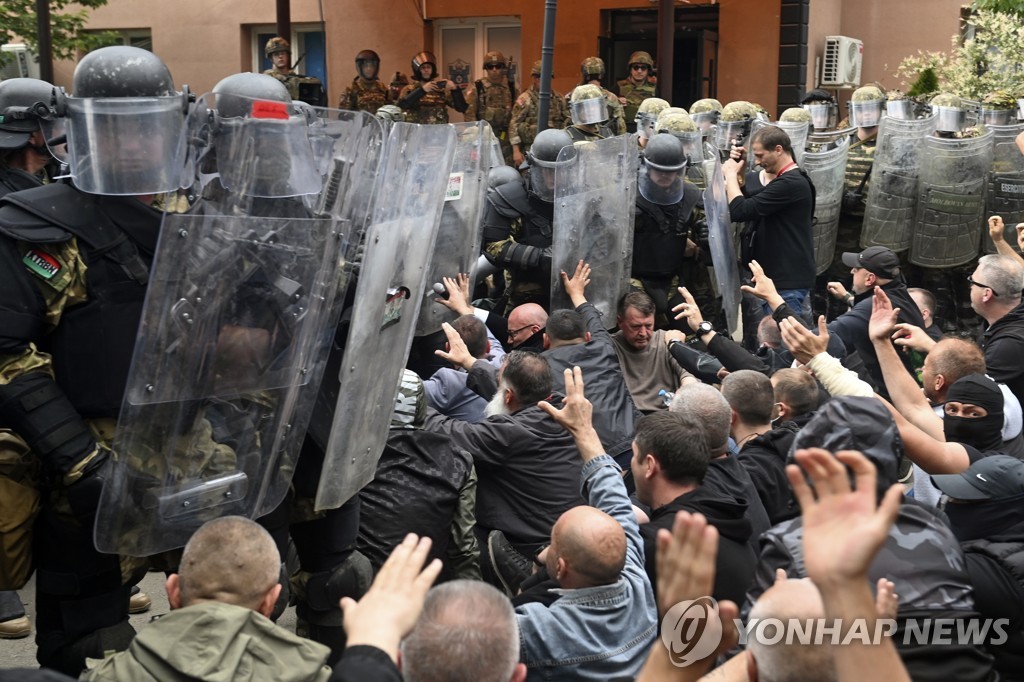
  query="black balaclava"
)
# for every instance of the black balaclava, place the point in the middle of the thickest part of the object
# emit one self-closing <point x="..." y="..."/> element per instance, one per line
<point x="982" y="433"/>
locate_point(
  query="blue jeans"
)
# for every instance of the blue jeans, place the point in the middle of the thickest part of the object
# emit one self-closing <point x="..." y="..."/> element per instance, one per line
<point x="799" y="300"/>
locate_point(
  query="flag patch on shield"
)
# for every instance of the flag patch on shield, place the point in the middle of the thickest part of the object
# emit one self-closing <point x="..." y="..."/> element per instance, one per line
<point x="42" y="263"/>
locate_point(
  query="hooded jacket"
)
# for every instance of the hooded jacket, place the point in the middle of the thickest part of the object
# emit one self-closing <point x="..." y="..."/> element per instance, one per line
<point x="1003" y="343"/>
<point x="215" y="642"/>
<point x="765" y="457"/>
<point x="921" y="555"/>
<point x="734" y="567"/>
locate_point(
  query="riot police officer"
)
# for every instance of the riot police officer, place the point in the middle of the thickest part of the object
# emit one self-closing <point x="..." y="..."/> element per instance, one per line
<point x="647" y="116"/>
<point x="490" y="99"/>
<point x="517" y="224"/>
<point x="427" y="98"/>
<point x="76" y="260"/>
<point x="366" y="92"/>
<point x="589" y="109"/>
<point x="592" y="72"/>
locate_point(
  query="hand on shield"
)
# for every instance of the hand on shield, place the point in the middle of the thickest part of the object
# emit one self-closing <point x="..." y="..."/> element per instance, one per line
<point x="883" y="317"/>
<point x="457" y="353"/>
<point x="458" y="294"/>
<point x="575" y="285"/>
<point x="803" y="344"/>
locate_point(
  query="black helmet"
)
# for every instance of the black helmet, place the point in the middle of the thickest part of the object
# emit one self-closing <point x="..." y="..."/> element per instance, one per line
<point x="548" y="144"/>
<point x="661" y="176"/>
<point x="664" y="152"/>
<point x="122" y="71"/>
<point x="367" y="64"/>
<point x="234" y="93"/>
<point x="501" y="175"/>
<point x="419" y="60"/>
<point x="23" y="102"/>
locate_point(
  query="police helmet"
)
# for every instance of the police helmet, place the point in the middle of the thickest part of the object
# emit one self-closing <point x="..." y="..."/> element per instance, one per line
<point x="235" y="94"/>
<point x="588" y="105"/>
<point x="23" y="102"/>
<point x="543" y="158"/>
<point x="367" y="64"/>
<point x="661" y="175"/>
<point x="501" y="175"/>
<point x="866" y="106"/>
<point x="419" y="60"/>
<point x="796" y="114"/>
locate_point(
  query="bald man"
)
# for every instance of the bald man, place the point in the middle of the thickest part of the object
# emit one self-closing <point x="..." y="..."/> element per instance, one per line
<point x="525" y="323"/>
<point x="221" y="598"/>
<point x="789" y="659"/>
<point x="604" y="619"/>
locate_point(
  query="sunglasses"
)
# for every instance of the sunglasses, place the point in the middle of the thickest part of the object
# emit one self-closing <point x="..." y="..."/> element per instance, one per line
<point x="970" y="280"/>
<point x="639" y="67"/>
<point x="494" y="66"/>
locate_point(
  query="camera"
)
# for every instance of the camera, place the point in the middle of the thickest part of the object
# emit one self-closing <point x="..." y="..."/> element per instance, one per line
<point x="441" y="84"/>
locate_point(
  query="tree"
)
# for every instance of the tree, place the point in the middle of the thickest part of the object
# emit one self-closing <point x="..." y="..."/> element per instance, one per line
<point x="989" y="58"/>
<point x="1004" y="6"/>
<point x="68" y="34"/>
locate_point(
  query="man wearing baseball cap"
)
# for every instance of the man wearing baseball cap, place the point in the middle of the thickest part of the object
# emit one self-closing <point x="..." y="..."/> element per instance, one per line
<point x="987" y="516"/>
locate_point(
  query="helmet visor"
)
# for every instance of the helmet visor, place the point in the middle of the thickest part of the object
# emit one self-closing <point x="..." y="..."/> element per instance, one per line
<point x="126" y="146"/>
<point x="691" y="146"/>
<point x="705" y="120"/>
<point x="823" y="115"/>
<point x="542" y="173"/>
<point x="664" y="187"/>
<point x="645" y="125"/>
<point x="729" y="132"/>
<point x="267" y="157"/>
<point x="865" y="114"/>
<point x="368" y="68"/>
<point x="589" y="111"/>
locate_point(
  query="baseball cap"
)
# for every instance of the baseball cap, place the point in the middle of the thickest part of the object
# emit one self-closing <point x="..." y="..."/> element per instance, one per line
<point x="875" y="259"/>
<point x="991" y="478"/>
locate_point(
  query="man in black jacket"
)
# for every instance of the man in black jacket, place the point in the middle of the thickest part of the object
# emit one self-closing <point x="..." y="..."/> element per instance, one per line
<point x="670" y="459"/>
<point x="996" y="296"/>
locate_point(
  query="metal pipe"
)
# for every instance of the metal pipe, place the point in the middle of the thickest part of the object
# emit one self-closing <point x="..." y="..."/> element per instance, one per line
<point x="284" y="19"/>
<point x="44" y="40"/>
<point x="547" y="57"/>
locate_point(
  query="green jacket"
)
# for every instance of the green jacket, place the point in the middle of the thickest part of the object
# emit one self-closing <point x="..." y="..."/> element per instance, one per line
<point x="215" y="642"/>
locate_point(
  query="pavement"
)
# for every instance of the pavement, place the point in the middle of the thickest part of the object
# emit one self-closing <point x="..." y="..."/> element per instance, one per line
<point x="21" y="653"/>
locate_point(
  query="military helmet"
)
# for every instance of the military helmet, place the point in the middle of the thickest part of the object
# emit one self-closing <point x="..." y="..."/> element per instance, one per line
<point x="676" y="122"/>
<point x="277" y="44"/>
<point x="235" y="94"/>
<point x="591" y="68"/>
<point x="660" y="179"/>
<point x="950" y="111"/>
<point x="738" y="111"/>
<point x="817" y="95"/>
<point x="391" y="113"/>
<point x="866" y="106"/>
<point x="641" y="57"/>
<point x="868" y="93"/>
<point x="703" y="106"/>
<point x="19" y="113"/>
<point x="121" y="71"/>
<point x="535" y="69"/>
<point x="588" y="105"/>
<point x="367" y="64"/>
<point x="669" y="111"/>
<point x="420" y="59"/>
<point x="796" y="114"/>
<point x="367" y="56"/>
<point x="494" y="57"/>
<point x="647" y="114"/>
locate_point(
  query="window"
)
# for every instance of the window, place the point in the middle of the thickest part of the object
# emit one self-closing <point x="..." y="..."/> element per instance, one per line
<point x="462" y="43"/>
<point x="309" y="53"/>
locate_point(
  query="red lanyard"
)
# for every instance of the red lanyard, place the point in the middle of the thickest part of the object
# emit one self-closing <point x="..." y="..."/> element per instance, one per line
<point x="791" y="164"/>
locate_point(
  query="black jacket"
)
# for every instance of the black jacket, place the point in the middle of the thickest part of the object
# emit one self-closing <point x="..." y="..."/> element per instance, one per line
<point x="528" y="470"/>
<point x="727" y="478"/>
<point x="615" y="415"/>
<point x="734" y="566"/>
<point x="764" y="458"/>
<point x="1003" y="343"/>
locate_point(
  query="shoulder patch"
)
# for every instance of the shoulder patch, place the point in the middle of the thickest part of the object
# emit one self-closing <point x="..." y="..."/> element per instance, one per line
<point x="42" y="264"/>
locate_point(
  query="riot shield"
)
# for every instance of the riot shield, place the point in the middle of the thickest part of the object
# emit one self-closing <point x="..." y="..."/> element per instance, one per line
<point x="723" y="246"/>
<point x="595" y="192"/>
<point x="951" y="200"/>
<point x="414" y="174"/>
<point x="457" y="246"/>
<point x="827" y="170"/>
<point x="797" y="131"/>
<point x="232" y="342"/>
<point x="1005" y="195"/>
<point x="892" y="195"/>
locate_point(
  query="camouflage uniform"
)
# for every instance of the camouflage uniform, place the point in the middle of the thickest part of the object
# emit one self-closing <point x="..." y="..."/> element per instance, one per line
<point x="616" y="115"/>
<point x="635" y="94"/>
<point x="292" y="81"/>
<point x="523" y="126"/>
<point x="431" y="108"/>
<point x="492" y="102"/>
<point x="364" y="95"/>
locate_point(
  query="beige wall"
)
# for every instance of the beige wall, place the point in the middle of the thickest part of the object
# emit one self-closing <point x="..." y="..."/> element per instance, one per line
<point x="825" y="20"/>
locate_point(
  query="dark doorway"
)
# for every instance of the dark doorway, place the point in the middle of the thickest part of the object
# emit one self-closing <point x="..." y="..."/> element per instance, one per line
<point x="695" y="48"/>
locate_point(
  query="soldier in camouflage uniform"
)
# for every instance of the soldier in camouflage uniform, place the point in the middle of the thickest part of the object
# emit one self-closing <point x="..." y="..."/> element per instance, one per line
<point x="646" y="117"/>
<point x="366" y="93"/>
<point x="279" y="51"/>
<point x="427" y="98"/>
<point x="592" y="70"/>
<point x="589" y="110"/>
<point x="638" y="85"/>
<point x="490" y="99"/>
<point x="522" y="129"/>
<point x="75" y="268"/>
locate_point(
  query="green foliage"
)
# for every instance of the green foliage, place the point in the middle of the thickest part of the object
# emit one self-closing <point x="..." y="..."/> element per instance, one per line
<point x="1004" y="6"/>
<point x="991" y="59"/>
<point x="927" y="83"/>
<point x="67" y="27"/>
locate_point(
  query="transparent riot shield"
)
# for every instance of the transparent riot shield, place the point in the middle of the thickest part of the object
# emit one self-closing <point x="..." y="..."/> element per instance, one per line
<point x="233" y="337"/>
<point x="951" y="200"/>
<point x="595" y="192"/>
<point x="414" y="175"/>
<point x="827" y="170"/>
<point x="892" y="195"/>
<point x="721" y="237"/>
<point x="797" y="131"/>
<point x="1005" y="195"/>
<point x="457" y="246"/>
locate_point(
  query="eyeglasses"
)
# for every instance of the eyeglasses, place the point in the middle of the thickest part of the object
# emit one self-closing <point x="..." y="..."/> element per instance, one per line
<point x="639" y="67"/>
<point x="494" y="66"/>
<point x="970" y="280"/>
<point x="512" y="333"/>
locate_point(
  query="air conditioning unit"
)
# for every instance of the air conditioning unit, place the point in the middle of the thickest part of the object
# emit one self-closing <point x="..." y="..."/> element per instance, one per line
<point x="841" y="66"/>
<point x="20" y="62"/>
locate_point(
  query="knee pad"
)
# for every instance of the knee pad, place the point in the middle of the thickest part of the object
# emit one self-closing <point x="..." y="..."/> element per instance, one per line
<point x="319" y="594"/>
